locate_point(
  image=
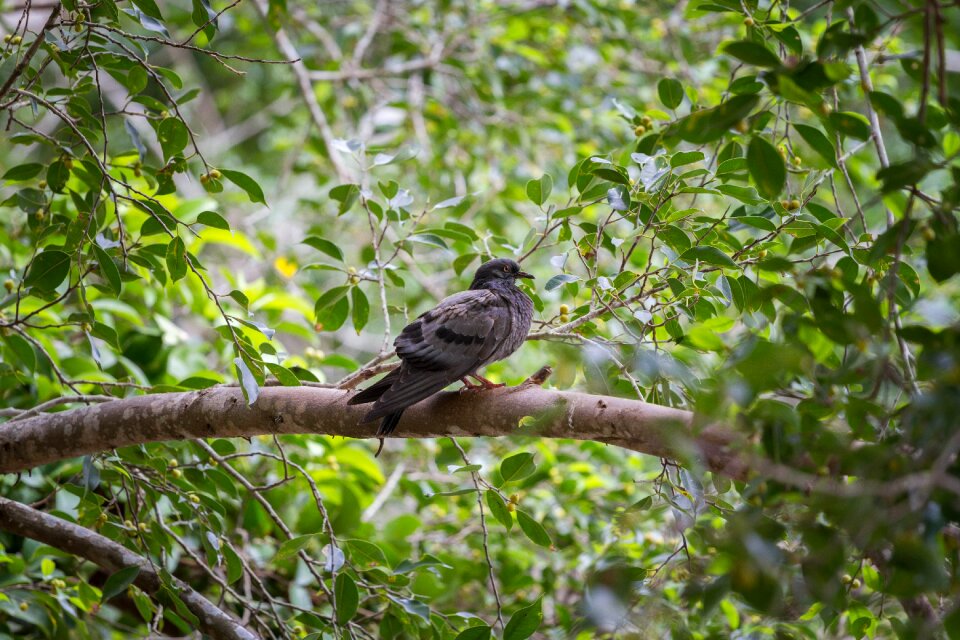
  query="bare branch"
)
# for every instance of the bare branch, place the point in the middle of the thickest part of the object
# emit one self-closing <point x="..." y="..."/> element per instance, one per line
<point x="222" y="412"/>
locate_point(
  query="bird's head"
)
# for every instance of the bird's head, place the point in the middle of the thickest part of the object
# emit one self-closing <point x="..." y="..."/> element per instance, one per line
<point x="496" y="272"/>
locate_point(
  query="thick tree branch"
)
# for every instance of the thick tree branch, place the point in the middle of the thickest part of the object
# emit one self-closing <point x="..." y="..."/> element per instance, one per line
<point x="222" y="412"/>
<point x="21" y="520"/>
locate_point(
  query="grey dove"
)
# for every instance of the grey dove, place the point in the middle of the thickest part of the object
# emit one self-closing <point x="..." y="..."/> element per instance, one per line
<point x="463" y="333"/>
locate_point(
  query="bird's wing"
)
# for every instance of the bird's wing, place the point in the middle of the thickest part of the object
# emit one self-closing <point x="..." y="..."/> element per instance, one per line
<point x="462" y="331"/>
<point x="445" y="344"/>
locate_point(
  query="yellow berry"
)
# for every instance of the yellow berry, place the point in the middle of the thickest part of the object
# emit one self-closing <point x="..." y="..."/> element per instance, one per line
<point x="742" y="126"/>
<point x="647" y="121"/>
<point x="8" y="284"/>
<point x="564" y="309"/>
<point x="793" y="205"/>
<point x="42" y="184"/>
<point x="176" y="473"/>
<point x="796" y="161"/>
<point x="515" y="498"/>
<point x="204" y="179"/>
<point x="142" y="526"/>
<point x="7" y="38"/>
<point x="215" y="174"/>
<point x="68" y="162"/>
<point x="928" y="235"/>
<point x="173" y="463"/>
<point x="639" y="130"/>
<point x="194" y="498"/>
<point x="762" y="253"/>
<point x="564" y="318"/>
<point x="16" y="40"/>
<point x="846" y="579"/>
<point x="855" y="584"/>
<point x="128" y="524"/>
<point x="511" y="507"/>
<point x="748" y="21"/>
<point x="24" y="606"/>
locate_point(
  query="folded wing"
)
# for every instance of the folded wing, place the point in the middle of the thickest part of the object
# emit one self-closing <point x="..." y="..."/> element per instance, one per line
<point x="444" y="344"/>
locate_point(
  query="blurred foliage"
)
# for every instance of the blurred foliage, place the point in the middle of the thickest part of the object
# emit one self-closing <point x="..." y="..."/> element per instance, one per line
<point x="747" y="209"/>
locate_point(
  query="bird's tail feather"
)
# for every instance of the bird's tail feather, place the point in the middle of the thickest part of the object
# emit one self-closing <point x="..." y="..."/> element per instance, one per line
<point x="387" y="426"/>
<point x="377" y="389"/>
<point x="389" y="423"/>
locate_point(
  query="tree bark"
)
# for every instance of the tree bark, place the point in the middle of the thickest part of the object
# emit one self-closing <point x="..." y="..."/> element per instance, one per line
<point x="21" y="520"/>
<point x="222" y="412"/>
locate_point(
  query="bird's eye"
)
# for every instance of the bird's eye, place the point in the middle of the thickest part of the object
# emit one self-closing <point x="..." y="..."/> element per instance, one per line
<point x="506" y="268"/>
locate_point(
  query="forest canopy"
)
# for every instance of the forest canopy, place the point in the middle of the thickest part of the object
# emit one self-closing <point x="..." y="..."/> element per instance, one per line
<point x="735" y="414"/>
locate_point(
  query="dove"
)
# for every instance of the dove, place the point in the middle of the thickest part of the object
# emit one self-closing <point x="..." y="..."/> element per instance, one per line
<point x="450" y="342"/>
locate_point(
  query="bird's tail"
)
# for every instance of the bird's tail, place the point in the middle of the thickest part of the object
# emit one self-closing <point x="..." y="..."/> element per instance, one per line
<point x="387" y="426"/>
<point x="377" y="389"/>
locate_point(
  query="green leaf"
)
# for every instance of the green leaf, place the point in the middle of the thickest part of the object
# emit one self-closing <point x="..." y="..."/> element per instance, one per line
<point x="57" y="176"/>
<point x="149" y="7"/>
<point x="327" y="247"/>
<point x="766" y="168"/>
<point x="48" y="270"/>
<point x="850" y="123"/>
<point x="22" y="349"/>
<point x="414" y="607"/>
<point x="346" y="195"/>
<point x="710" y="255"/>
<point x="293" y="546"/>
<point x="214" y="220"/>
<point x="499" y="509"/>
<point x="247" y="381"/>
<point x="559" y="279"/>
<point x="752" y="53"/>
<point x="361" y="309"/>
<point x="108" y="269"/>
<point x="539" y="190"/>
<point x="23" y="172"/>
<point x="478" y="632"/>
<point x="707" y="125"/>
<point x="943" y="256"/>
<point x="347" y="596"/>
<point x="517" y="467"/>
<point x="245" y="182"/>
<point x="286" y="377"/>
<point x="670" y="92"/>
<point x="118" y="582"/>
<point x="234" y="564"/>
<point x="524" y="623"/>
<point x="685" y="157"/>
<point x="173" y="136"/>
<point x="533" y="529"/>
<point x="176" y="259"/>
<point x="332" y="309"/>
<point x="819" y="142"/>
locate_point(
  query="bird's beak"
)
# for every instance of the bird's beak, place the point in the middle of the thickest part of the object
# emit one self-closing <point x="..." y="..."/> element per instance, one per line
<point x="524" y="274"/>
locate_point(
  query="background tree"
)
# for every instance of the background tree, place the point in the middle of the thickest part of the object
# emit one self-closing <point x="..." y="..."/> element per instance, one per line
<point x="217" y="216"/>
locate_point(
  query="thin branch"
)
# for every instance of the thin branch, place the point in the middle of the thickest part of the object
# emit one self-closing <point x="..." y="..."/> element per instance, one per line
<point x="28" y="56"/>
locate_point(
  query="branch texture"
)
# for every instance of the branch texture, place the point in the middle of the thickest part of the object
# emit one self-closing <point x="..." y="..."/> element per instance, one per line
<point x="21" y="520"/>
<point x="222" y="412"/>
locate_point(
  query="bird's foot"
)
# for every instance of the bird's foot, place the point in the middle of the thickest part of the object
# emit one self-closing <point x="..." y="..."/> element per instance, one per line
<point x="469" y="386"/>
<point x="486" y="384"/>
